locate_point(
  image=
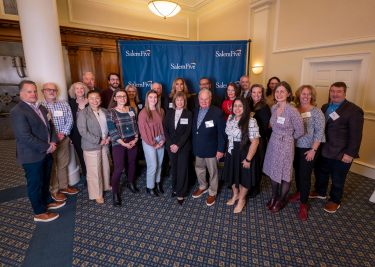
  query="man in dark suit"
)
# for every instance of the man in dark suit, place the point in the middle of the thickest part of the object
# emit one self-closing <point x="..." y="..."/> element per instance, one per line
<point x="165" y="167"/>
<point x="245" y="86"/>
<point x="89" y="79"/>
<point x="204" y="83"/>
<point x="344" y="125"/>
<point x="208" y="144"/>
<point x="35" y="142"/>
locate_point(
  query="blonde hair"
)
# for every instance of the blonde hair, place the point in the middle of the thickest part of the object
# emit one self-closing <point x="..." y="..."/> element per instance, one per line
<point x="299" y="92"/>
<point x="157" y="106"/>
<point x="183" y="96"/>
<point x="72" y="89"/>
<point x="136" y="92"/>
<point x="186" y="91"/>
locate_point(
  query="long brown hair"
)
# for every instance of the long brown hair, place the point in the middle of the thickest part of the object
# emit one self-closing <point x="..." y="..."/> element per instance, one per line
<point x="157" y="106"/>
<point x="186" y="91"/>
<point x="237" y="91"/>
<point x="262" y="101"/>
<point x="269" y="90"/>
<point x="113" y="102"/>
<point x="299" y="92"/>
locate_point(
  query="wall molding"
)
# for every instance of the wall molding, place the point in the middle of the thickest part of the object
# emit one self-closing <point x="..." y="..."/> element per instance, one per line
<point x="364" y="39"/>
<point x="363" y="58"/>
<point x="260" y="3"/>
<point x="72" y="20"/>
<point x="211" y="12"/>
<point x="363" y="168"/>
<point x="369" y="115"/>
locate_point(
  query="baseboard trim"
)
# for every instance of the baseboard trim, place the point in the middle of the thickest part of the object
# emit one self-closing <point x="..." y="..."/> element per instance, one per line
<point x="363" y="169"/>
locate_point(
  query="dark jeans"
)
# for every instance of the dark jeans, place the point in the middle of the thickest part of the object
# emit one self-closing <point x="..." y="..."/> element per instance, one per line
<point x="38" y="176"/>
<point x="303" y="170"/>
<point x="338" y="171"/>
<point x="119" y="162"/>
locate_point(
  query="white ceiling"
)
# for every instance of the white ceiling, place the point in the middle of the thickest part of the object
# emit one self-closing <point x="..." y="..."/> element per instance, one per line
<point x="190" y="6"/>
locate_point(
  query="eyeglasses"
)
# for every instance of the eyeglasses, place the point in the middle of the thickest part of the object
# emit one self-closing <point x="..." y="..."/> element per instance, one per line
<point x="121" y="96"/>
<point x="114" y="80"/>
<point x="51" y="90"/>
<point x="273" y="83"/>
<point x="204" y="84"/>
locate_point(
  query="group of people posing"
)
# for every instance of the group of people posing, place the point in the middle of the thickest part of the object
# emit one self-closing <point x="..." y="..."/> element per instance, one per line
<point x="256" y="130"/>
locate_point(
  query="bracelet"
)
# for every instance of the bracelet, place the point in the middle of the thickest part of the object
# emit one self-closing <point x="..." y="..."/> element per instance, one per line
<point x="313" y="149"/>
<point x="248" y="161"/>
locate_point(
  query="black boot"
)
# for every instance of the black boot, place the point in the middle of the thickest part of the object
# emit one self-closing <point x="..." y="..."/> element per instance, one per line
<point x="152" y="192"/>
<point x="159" y="188"/>
<point x="132" y="188"/>
<point x="116" y="200"/>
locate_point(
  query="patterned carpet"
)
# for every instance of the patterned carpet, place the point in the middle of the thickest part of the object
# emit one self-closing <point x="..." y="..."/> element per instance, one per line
<point x="148" y="231"/>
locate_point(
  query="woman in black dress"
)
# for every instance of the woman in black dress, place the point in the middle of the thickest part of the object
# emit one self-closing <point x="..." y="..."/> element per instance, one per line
<point x="241" y="162"/>
<point x="262" y="112"/>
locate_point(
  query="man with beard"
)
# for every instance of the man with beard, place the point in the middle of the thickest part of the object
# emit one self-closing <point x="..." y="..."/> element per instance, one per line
<point x="107" y="94"/>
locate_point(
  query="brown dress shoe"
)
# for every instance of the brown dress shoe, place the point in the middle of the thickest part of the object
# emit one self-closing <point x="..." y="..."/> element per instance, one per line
<point x="314" y="194"/>
<point x="210" y="200"/>
<point x="69" y="190"/>
<point x="57" y="196"/>
<point x="46" y="217"/>
<point x="56" y="205"/>
<point x="199" y="193"/>
<point x="331" y="207"/>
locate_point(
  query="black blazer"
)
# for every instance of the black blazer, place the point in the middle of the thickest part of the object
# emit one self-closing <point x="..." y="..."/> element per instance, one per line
<point x="31" y="133"/>
<point x="215" y="101"/>
<point x="263" y="117"/>
<point x="208" y="141"/>
<point x="181" y="136"/>
<point x="74" y="133"/>
<point x="162" y="104"/>
<point x="343" y="135"/>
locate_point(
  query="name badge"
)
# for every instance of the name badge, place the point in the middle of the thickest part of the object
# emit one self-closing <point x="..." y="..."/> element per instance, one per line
<point x="131" y="113"/>
<point x="184" y="121"/>
<point x="280" y="120"/>
<point x="209" y="124"/>
<point x="306" y="114"/>
<point x="58" y="113"/>
<point x="334" y="116"/>
<point x="170" y="105"/>
<point x="140" y="106"/>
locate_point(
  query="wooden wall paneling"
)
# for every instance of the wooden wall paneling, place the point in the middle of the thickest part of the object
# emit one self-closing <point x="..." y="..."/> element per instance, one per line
<point x="74" y="63"/>
<point x="85" y="60"/>
<point x="98" y="67"/>
<point x="109" y="64"/>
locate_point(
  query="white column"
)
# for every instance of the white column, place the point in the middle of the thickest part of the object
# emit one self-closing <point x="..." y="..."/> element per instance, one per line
<point x="43" y="53"/>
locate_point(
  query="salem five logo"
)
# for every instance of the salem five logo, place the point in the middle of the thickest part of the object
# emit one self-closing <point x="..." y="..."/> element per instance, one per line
<point x="143" y="84"/>
<point x="236" y="53"/>
<point x="187" y="66"/>
<point x="223" y="85"/>
<point x="145" y="53"/>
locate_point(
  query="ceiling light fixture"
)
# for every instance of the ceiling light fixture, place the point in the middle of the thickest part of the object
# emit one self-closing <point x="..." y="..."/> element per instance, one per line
<point x="164" y="9"/>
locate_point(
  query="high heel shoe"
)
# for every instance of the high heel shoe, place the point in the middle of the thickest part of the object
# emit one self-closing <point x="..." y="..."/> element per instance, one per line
<point x="116" y="199"/>
<point x="295" y="197"/>
<point x="239" y="206"/>
<point x="180" y="201"/>
<point x="152" y="192"/>
<point x="277" y="207"/>
<point x="131" y="187"/>
<point x="159" y="188"/>
<point x="271" y="202"/>
<point x="233" y="200"/>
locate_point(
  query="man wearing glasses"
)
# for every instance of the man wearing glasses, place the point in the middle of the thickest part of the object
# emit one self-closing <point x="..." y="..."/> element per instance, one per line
<point x="62" y="118"/>
<point x="204" y="83"/>
<point x="107" y="94"/>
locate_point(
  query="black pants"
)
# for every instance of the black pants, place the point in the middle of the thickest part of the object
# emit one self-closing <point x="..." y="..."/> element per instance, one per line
<point x="338" y="171"/>
<point x="77" y="146"/>
<point x="180" y="171"/>
<point x="302" y="171"/>
<point x="261" y="154"/>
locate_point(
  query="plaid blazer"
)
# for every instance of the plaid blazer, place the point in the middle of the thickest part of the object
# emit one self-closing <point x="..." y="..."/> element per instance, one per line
<point x="344" y="135"/>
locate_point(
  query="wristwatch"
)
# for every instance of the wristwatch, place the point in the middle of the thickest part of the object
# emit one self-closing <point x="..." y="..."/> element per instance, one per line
<point x="248" y="161"/>
<point x="313" y="149"/>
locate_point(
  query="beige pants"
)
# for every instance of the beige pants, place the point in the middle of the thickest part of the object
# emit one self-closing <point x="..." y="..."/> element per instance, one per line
<point x="59" y="173"/>
<point x="200" y="169"/>
<point x="98" y="172"/>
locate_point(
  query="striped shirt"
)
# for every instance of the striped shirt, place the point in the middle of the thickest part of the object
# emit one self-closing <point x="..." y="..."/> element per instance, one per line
<point x="121" y="125"/>
<point x="61" y="114"/>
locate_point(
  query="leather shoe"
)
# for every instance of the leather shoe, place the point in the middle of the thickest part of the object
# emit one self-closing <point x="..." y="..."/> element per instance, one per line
<point x="271" y="202"/>
<point x="173" y="194"/>
<point x="240" y="206"/>
<point x="55" y="205"/>
<point x="46" y="217"/>
<point x="116" y="200"/>
<point x="303" y="211"/>
<point x="131" y="187"/>
<point x="331" y="207"/>
<point x="199" y="192"/>
<point x="152" y="192"/>
<point x="180" y="201"/>
<point x="57" y="196"/>
<point x="295" y="198"/>
<point x="233" y="200"/>
<point x="210" y="200"/>
<point x="69" y="190"/>
<point x="275" y="208"/>
<point x="314" y="194"/>
<point x="253" y="195"/>
<point x="159" y="188"/>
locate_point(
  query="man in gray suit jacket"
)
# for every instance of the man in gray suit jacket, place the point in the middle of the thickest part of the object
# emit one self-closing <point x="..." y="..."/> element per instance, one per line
<point x="35" y="141"/>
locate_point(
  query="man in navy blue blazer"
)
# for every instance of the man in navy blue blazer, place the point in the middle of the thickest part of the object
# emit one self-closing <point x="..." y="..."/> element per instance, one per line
<point x="208" y="144"/>
<point x="35" y="142"/>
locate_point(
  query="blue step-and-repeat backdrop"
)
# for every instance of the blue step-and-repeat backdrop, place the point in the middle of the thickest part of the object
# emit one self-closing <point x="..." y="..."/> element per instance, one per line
<point x="146" y="62"/>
